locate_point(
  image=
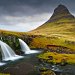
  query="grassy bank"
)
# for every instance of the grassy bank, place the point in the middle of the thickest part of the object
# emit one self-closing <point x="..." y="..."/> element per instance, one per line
<point x="55" y="58"/>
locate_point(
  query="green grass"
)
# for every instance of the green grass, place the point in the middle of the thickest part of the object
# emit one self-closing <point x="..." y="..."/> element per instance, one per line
<point x="57" y="58"/>
<point x="42" y="42"/>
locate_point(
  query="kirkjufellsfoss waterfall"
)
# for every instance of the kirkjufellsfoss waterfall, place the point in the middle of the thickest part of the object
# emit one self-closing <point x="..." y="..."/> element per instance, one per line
<point x="26" y="49"/>
<point x="8" y="53"/>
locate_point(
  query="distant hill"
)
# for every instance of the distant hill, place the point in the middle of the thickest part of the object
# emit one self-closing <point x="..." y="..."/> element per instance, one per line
<point x="62" y="21"/>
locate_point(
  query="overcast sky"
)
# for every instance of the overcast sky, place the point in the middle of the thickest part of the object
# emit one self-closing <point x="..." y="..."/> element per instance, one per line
<point x="26" y="15"/>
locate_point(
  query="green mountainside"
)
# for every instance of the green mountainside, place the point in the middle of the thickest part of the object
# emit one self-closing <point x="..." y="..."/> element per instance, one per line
<point x="62" y="21"/>
<point x="58" y="30"/>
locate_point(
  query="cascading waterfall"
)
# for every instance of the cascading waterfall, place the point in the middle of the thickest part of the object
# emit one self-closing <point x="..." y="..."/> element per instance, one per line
<point x="26" y="49"/>
<point x="8" y="53"/>
<point x="1" y="63"/>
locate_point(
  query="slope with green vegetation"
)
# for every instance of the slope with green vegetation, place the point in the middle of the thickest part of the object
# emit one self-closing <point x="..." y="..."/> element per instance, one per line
<point x="58" y="30"/>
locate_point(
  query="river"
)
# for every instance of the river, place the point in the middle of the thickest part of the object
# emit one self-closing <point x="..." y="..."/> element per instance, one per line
<point x="27" y="66"/>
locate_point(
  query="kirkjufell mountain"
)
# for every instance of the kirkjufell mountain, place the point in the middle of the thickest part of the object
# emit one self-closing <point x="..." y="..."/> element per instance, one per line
<point x="61" y="21"/>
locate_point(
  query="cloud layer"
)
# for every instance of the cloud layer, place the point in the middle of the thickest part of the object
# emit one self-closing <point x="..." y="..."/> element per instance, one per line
<point x="25" y="15"/>
<point x="23" y="23"/>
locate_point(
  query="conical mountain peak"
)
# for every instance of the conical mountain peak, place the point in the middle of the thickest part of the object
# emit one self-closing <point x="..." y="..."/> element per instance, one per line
<point x="61" y="9"/>
<point x="60" y="12"/>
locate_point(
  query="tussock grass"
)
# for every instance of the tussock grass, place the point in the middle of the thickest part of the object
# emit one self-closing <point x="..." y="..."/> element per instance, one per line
<point x="57" y="58"/>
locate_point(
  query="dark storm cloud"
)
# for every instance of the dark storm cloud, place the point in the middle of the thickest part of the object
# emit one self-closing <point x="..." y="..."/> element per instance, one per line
<point x="27" y="7"/>
<point x="31" y="7"/>
<point x="29" y="14"/>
